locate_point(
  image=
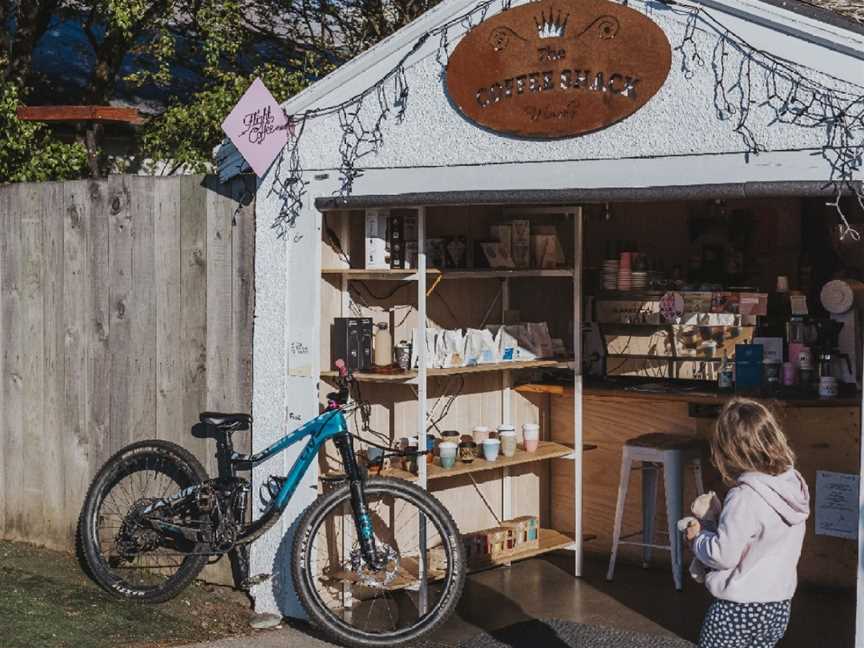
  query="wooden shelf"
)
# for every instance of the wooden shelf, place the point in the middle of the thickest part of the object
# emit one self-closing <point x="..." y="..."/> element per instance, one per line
<point x="536" y="388"/>
<point x="406" y="578"/>
<point x="411" y="275"/>
<point x="406" y="376"/>
<point x="546" y="450"/>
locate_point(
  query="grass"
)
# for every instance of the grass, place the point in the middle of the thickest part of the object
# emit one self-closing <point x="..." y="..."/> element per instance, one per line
<point x="46" y="601"/>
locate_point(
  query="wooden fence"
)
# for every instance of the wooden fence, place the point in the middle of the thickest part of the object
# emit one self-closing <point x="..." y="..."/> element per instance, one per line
<point x="126" y="308"/>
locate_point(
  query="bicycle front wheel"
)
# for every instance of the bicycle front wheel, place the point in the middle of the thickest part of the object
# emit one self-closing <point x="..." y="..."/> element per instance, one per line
<point x="419" y="585"/>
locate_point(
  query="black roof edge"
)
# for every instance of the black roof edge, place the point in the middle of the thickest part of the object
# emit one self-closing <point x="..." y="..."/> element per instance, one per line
<point x="725" y="191"/>
<point x="821" y="14"/>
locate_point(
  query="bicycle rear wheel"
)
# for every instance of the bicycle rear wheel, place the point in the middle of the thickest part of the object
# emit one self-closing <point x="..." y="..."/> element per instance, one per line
<point x="414" y="592"/>
<point x="126" y="557"/>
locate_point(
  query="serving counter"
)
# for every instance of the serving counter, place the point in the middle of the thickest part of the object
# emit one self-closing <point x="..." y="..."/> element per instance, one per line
<point x="825" y="435"/>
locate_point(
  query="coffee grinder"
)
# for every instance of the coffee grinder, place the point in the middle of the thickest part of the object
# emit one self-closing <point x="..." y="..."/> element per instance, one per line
<point x="830" y="358"/>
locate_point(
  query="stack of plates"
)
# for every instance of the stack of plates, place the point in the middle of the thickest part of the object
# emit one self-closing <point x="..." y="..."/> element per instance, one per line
<point x="625" y="279"/>
<point x="610" y="274"/>
<point x="640" y="280"/>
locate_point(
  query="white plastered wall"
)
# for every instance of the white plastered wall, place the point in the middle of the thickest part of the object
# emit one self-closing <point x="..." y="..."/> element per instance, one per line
<point x="676" y="139"/>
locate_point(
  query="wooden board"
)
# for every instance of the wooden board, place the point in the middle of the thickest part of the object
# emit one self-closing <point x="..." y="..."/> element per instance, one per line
<point x="546" y="450"/>
<point x="481" y="368"/>
<point x="103" y="315"/>
<point x="77" y="219"/>
<point x="411" y="275"/>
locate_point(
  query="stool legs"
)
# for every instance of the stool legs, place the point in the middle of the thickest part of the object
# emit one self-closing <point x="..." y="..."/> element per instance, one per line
<point x="650" y="476"/>
<point x="623" y="484"/>
<point x="673" y="473"/>
<point x="697" y="475"/>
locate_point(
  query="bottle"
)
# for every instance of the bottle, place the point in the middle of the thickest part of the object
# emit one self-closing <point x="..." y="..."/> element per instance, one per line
<point x="724" y="374"/>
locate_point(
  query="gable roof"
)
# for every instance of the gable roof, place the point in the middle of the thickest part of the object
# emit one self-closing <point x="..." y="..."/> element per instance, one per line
<point x="830" y="23"/>
<point x="847" y="14"/>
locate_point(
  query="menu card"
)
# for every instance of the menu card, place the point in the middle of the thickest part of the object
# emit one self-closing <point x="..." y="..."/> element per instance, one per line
<point x="836" y="504"/>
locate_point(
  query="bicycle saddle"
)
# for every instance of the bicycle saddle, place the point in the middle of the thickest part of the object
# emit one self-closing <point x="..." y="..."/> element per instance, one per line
<point x="222" y="421"/>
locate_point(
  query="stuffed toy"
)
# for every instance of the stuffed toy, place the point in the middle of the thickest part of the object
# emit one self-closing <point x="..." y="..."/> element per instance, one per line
<point x="706" y="511"/>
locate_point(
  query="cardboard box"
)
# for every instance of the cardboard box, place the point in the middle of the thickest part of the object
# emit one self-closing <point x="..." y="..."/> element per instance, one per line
<point x="526" y="532"/>
<point x="376" y="250"/>
<point x="489" y="545"/>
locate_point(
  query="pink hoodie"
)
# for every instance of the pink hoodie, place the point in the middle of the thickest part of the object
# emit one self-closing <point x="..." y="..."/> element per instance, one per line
<point x="754" y="552"/>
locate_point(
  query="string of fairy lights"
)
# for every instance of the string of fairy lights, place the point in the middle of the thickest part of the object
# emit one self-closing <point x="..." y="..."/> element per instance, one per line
<point x="749" y="84"/>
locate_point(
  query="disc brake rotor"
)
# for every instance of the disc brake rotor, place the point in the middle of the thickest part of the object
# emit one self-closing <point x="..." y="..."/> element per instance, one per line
<point x="380" y="578"/>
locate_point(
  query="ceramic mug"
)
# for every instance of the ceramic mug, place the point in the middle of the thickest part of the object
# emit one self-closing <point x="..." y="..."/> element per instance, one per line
<point x="447" y="454"/>
<point x="531" y="436"/>
<point x="508" y="442"/>
<point x="490" y="449"/>
<point x="828" y="387"/>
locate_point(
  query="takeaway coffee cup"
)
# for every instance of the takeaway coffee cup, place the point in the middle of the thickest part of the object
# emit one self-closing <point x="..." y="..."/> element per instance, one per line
<point x="508" y="442"/>
<point x="531" y="436"/>
<point x="490" y="449"/>
<point x="467" y="451"/>
<point x="447" y="454"/>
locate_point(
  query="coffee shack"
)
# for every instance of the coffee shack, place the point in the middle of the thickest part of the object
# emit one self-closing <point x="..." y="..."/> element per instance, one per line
<point x="586" y="224"/>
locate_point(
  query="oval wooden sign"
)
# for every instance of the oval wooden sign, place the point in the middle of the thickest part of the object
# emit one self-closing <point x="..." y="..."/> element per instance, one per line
<point x="558" y="68"/>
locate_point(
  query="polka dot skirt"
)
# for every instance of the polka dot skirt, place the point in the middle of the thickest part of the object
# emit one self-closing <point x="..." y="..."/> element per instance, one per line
<point x="744" y="625"/>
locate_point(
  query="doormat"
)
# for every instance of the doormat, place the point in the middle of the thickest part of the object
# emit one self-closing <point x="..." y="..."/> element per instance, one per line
<point x="555" y="633"/>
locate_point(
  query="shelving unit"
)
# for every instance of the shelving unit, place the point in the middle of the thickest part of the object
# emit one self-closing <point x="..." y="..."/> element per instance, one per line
<point x="515" y="486"/>
<point x="546" y="450"/>
<point x="406" y="376"/>
<point x="411" y="275"/>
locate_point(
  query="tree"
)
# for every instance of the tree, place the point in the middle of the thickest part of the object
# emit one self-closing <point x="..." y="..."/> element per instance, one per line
<point x="29" y="152"/>
<point x="223" y="44"/>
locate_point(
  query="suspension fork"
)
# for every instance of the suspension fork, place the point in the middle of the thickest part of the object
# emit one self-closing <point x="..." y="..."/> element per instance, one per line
<point x="362" y="519"/>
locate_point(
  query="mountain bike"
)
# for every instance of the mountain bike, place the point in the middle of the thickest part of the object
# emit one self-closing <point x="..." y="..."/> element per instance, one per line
<point x="375" y="561"/>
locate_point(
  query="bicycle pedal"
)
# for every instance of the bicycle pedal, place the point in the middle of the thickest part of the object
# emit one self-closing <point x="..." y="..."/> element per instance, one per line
<point x="250" y="582"/>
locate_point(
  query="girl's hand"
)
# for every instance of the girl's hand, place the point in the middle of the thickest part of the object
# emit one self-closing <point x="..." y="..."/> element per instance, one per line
<point x="692" y="530"/>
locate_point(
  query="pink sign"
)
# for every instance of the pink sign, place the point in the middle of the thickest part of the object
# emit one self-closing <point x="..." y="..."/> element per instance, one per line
<point x="257" y="127"/>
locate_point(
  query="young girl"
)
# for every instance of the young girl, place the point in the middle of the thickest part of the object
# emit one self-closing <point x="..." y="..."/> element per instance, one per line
<point x="753" y="555"/>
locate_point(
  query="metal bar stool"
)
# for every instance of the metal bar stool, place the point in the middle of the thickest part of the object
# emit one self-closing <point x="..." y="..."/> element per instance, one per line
<point x="669" y="453"/>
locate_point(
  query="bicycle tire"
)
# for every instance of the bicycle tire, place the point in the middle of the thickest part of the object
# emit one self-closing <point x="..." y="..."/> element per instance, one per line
<point x="303" y="574"/>
<point x="174" y="456"/>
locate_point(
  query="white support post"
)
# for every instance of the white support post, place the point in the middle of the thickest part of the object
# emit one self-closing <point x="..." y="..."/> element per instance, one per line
<point x="421" y="339"/>
<point x="577" y="391"/>
<point x="421" y="396"/>
<point x="506" y="413"/>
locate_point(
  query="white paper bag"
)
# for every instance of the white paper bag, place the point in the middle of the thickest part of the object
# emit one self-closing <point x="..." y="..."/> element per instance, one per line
<point x="451" y="348"/>
<point x="431" y="340"/>
<point x="480" y="347"/>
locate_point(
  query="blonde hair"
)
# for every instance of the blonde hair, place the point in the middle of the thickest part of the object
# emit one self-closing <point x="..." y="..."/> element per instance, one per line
<point x="747" y="437"/>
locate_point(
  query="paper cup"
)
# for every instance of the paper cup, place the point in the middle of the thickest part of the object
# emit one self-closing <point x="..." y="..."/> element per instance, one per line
<point x="508" y="442"/>
<point x="447" y="454"/>
<point x="490" y="449"/>
<point x="467" y="451"/>
<point x="481" y="433"/>
<point x="531" y="436"/>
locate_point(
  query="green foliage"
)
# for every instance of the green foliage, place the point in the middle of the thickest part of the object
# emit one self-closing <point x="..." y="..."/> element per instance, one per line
<point x="29" y="151"/>
<point x="224" y="44"/>
<point x="187" y="133"/>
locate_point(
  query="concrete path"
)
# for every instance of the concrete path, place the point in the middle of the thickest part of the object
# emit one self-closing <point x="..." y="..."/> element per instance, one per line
<point x="282" y="637"/>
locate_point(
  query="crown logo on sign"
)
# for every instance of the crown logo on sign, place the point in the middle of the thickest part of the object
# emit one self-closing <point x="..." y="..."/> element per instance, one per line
<point x="551" y="26"/>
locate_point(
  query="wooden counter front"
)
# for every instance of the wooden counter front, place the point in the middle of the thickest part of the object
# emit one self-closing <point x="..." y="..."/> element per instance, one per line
<point x="824" y="434"/>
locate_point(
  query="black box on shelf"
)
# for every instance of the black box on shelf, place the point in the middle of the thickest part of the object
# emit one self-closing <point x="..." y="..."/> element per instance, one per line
<point x="396" y="233"/>
<point x="352" y="342"/>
